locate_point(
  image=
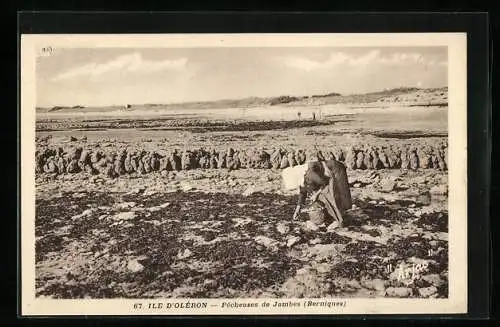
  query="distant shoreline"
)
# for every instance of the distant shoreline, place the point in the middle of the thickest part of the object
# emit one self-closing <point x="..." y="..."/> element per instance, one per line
<point x="255" y="102"/>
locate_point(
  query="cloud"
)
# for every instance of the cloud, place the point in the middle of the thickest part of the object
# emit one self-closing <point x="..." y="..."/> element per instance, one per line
<point x="373" y="57"/>
<point x="133" y="63"/>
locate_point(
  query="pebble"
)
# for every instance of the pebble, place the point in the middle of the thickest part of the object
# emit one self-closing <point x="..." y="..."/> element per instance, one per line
<point x="149" y="192"/>
<point x="323" y="268"/>
<point x="434" y="243"/>
<point x="187" y="187"/>
<point x="79" y="195"/>
<point x="433" y="279"/>
<point x="292" y="241"/>
<point x="125" y="215"/>
<point x="398" y="292"/>
<point x="88" y="212"/>
<point x="439" y="190"/>
<point x="387" y="185"/>
<point x="427" y="291"/>
<point x="134" y="266"/>
<point x="376" y="284"/>
<point x="209" y="283"/>
<point x="249" y="191"/>
<point x="125" y="205"/>
<point x="282" y="228"/>
<point x="310" y="226"/>
<point x="315" y="241"/>
<point x="266" y="241"/>
<point x="332" y="227"/>
<point x="184" y="254"/>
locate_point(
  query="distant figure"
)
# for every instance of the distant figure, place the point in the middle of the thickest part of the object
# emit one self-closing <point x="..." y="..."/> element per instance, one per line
<point x="314" y="116"/>
<point x="299" y="114"/>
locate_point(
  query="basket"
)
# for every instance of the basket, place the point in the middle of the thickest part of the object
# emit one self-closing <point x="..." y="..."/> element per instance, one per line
<point x="317" y="213"/>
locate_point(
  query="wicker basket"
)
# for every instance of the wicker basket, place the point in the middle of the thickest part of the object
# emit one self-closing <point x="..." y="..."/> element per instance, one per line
<point x="317" y="213"/>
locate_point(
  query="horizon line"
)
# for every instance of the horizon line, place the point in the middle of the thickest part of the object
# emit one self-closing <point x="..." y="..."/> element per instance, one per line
<point x="243" y="98"/>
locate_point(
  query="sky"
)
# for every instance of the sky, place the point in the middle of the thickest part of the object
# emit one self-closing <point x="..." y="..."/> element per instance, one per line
<point x="100" y="77"/>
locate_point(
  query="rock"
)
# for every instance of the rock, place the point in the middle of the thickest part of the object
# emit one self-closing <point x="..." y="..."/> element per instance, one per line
<point x="439" y="190"/>
<point x="368" y="161"/>
<point x="398" y="292"/>
<point x="360" y="160"/>
<point x="427" y="291"/>
<point x="125" y="216"/>
<point x="79" y="195"/>
<point x="383" y="160"/>
<point x="373" y="232"/>
<point x="357" y="185"/>
<point x="332" y="227"/>
<point x="292" y="241"/>
<point x="308" y="285"/>
<point x="150" y="192"/>
<point x="164" y="205"/>
<point x="310" y="226"/>
<point x="323" y="268"/>
<point x="433" y="279"/>
<point x="301" y="157"/>
<point x="323" y="251"/>
<point x="186" y="187"/>
<point x="291" y="159"/>
<point x="138" y="190"/>
<point x="134" y="266"/>
<point x="89" y="212"/>
<point x="184" y="254"/>
<point x="387" y="185"/>
<point x="154" y="209"/>
<point x="282" y="228"/>
<point x="423" y="199"/>
<point x="85" y="213"/>
<point x="266" y="241"/>
<point x="350" y="160"/>
<point x="210" y="283"/>
<point x="249" y="191"/>
<point x="315" y="241"/>
<point x="125" y="205"/>
<point x="284" y="162"/>
<point x="376" y="284"/>
<point x="405" y="162"/>
<point x="414" y="162"/>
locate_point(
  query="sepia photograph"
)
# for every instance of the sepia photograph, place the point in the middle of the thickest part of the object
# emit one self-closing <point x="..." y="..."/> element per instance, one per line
<point x="305" y="174"/>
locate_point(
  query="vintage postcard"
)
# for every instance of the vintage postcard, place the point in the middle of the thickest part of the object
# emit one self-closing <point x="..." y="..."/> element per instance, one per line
<point x="255" y="174"/>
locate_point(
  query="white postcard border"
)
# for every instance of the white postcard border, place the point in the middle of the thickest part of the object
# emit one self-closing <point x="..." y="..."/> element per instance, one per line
<point x="457" y="134"/>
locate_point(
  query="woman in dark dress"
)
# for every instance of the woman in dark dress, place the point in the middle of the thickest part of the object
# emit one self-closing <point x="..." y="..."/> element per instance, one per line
<point x="327" y="183"/>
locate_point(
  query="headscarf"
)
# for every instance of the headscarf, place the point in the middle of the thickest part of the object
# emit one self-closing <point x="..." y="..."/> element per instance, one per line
<point x="293" y="177"/>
